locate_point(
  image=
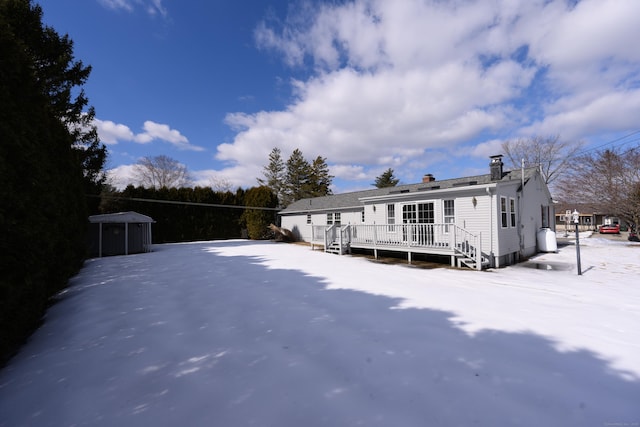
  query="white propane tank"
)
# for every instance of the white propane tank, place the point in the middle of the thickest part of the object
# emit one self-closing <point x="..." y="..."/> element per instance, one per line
<point x="547" y="240"/>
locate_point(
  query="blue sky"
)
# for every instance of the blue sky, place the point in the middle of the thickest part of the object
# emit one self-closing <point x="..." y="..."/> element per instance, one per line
<point x="420" y="86"/>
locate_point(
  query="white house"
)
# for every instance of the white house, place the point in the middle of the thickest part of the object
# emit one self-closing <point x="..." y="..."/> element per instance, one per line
<point x="490" y="220"/>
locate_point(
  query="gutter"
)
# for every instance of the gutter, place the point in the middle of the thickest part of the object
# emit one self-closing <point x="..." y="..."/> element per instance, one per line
<point x="439" y="191"/>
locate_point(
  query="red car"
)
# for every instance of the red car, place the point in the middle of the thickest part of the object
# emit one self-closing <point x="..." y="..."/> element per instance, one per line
<point x="610" y="229"/>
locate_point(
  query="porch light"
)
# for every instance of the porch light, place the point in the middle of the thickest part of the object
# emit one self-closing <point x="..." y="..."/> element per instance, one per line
<point x="576" y="218"/>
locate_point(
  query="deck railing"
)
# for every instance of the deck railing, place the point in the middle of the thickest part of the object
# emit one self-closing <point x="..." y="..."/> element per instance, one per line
<point x="403" y="237"/>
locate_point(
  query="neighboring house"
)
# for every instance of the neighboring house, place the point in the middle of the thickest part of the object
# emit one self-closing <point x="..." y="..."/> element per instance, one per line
<point x="591" y="217"/>
<point x="490" y="220"/>
<point x="121" y="233"/>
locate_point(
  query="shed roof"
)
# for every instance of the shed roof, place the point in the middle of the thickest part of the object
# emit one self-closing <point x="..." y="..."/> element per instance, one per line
<point x="353" y="199"/>
<point x="121" y="218"/>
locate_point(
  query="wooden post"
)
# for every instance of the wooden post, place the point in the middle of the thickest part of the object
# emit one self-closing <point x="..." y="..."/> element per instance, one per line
<point x="126" y="238"/>
<point x="100" y="241"/>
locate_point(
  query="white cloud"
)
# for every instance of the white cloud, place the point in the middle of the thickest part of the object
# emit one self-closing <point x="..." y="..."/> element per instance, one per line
<point x="111" y="133"/>
<point x="609" y="112"/>
<point x="117" y="4"/>
<point x="152" y="7"/>
<point x="488" y="148"/>
<point x="155" y="7"/>
<point x="121" y="176"/>
<point x="395" y="81"/>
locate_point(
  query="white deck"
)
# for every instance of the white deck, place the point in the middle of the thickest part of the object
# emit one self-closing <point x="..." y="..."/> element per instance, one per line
<point x="435" y="239"/>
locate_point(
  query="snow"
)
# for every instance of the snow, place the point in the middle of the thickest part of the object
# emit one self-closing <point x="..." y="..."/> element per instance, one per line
<point x="242" y="333"/>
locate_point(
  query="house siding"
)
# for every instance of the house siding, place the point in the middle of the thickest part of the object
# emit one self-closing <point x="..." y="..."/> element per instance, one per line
<point x="476" y="218"/>
<point x="534" y="200"/>
<point x="298" y="223"/>
<point x="477" y="209"/>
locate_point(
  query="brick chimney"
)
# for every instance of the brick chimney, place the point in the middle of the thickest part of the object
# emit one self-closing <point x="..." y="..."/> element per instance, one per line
<point x="496" y="167"/>
<point x="428" y="178"/>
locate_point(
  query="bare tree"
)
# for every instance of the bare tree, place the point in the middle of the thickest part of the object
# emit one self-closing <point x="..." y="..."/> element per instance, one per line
<point x="220" y="184"/>
<point x="550" y="154"/>
<point x="161" y="171"/>
<point x="608" y="180"/>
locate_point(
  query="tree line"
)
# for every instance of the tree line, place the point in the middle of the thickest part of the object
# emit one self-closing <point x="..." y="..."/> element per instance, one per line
<point x="50" y="157"/>
<point x="189" y="214"/>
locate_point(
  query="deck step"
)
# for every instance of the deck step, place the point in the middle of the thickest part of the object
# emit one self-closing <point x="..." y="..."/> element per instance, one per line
<point x="471" y="263"/>
<point x="334" y="248"/>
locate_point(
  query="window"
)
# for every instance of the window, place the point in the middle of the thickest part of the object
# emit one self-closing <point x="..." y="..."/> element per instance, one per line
<point x="330" y="218"/>
<point x="503" y="212"/>
<point x="544" y="211"/>
<point x="308" y="218"/>
<point x="426" y="214"/>
<point x="449" y="212"/>
<point x="512" y="211"/>
<point x="409" y="214"/>
<point x="336" y="218"/>
<point x="391" y="216"/>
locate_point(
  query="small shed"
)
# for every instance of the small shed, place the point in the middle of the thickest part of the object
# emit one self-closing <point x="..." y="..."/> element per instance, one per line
<point x="121" y="233"/>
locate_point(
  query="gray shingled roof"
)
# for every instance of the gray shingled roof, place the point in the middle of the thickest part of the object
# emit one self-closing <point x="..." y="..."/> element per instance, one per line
<point x="352" y="200"/>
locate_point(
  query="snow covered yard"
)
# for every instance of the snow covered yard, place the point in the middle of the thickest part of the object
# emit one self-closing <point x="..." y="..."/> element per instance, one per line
<point x="241" y="333"/>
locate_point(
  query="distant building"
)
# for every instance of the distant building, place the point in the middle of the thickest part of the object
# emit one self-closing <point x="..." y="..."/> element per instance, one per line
<point x="590" y="218"/>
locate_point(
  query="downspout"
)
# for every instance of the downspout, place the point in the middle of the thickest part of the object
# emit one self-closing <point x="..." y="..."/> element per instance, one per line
<point x="490" y="226"/>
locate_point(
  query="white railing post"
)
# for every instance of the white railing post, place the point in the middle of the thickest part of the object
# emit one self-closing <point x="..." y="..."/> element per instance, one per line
<point x="479" y="252"/>
<point x="326" y="238"/>
<point x="313" y="235"/>
<point x="452" y="236"/>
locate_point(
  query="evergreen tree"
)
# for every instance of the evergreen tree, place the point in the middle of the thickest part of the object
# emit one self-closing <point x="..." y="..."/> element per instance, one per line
<point x="257" y="220"/>
<point x="274" y="174"/>
<point x="297" y="178"/>
<point x="320" y="178"/>
<point x="386" y="179"/>
<point x="43" y="169"/>
<point x="59" y="77"/>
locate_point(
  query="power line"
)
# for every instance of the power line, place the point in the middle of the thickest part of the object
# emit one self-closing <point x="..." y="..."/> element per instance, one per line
<point x="176" y="202"/>
<point x="590" y="149"/>
<point x="612" y="142"/>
